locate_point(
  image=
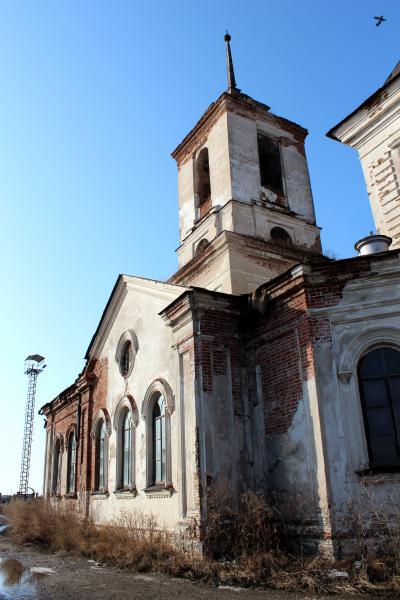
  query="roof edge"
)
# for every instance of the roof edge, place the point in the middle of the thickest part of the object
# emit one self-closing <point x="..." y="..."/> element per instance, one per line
<point x="330" y="134"/>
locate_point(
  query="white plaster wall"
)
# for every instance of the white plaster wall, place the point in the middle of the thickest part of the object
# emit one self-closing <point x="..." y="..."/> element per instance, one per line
<point x="243" y="151"/>
<point x="297" y="182"/>
<point x="248" y="219"/>
<point x="218" y="154"/>
<point x="156" y="358"/>
<point x="375" y="132"/>
<point x="295" y="466"/>
<point x="245" y="172"/>
<point x="218" y="151"/>
<point x="186" y="198"/>
<point x="368" y="315"/>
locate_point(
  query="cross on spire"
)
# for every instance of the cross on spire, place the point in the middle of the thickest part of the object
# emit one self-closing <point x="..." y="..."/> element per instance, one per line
<point x="232" y="89"/>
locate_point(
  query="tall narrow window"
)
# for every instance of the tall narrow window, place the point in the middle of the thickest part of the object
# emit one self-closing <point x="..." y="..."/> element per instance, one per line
<point x="159" y="445"/>
<point x="101" y="456"/>
<point x="270" y="163"/>
<point x="82" y="436"/>
<point x="379" y="379"/>
<point x="203" y="182"/>
<point x="71" y="463"/>
<point x="126" y="450"/>
<point x="126" y="358"/>
<point x="56" y="467"/>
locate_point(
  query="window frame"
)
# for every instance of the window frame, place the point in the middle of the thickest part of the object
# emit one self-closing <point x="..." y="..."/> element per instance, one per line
<point x="377" y="466"/>
<point x="157" y="388"/>
<point x="125" y="406"/>
<point x="102" y="418"/>
<point x="71" y="451"/>
<point x="158" y="427"/>
<point x="56" y="467"/>
<point x="350" y="351"/>
<point x="127" y="336"/>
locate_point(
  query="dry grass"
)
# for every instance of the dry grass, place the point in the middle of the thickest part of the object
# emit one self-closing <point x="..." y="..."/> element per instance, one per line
<point x="251" y="554"/>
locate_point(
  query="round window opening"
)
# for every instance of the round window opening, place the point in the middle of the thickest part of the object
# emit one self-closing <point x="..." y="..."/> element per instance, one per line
<point x="126" y="360"/>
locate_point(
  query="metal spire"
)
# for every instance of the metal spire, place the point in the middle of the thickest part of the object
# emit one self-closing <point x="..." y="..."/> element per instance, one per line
<point x="232" y="89"/>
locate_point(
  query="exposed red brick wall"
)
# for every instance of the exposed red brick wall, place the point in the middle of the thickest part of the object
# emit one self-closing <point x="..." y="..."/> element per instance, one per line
<point x="63" y="419"/>
<point x="219" y="334"/>
<point x="281" y="382"/>
<point x="64" y="414"/>
<point x="280" y="343"/>
<point x="97" y="403"/>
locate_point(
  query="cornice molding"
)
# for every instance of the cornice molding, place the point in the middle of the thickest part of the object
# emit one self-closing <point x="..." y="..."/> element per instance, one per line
<point x="364" y="123"/>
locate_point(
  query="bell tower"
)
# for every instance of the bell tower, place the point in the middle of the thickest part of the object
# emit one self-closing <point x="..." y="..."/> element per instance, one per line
<point x="246" y="211"/>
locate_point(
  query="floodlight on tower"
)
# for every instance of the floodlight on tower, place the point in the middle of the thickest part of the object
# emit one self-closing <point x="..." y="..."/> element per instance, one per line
<point x="33" y="366"/>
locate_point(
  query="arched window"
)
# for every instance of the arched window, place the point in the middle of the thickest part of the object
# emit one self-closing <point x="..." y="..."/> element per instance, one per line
<point x="71" y="464"/>
<point x="159" y="440"/>
<point x="101" y="457"/>
<point x="203" y="182"/>
<point x="158" y="407"/>
<point x="202" y="245"/>
<point x="56" y="467"/>
<point x="280" y="235"/>
<point x="126" y="450"/>
<point x="379" y="381"/>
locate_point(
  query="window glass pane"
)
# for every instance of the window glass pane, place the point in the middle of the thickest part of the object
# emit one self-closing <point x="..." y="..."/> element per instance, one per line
<point x="56" y="467"/>
<point x="163" y="428"/>
<point x="372" y="364"/>
<point x="159" y="440"/>
<point x="394" y="387"/>
<point x="384" y="450"/>
<point x="126" y="467"/>
<point x="71" y="464"/>
<point x="157" y="449"/>
<point x="375" y="393"/>
<point x="101" y="458"/>
<point x="392" y="361"/>
<point x="380" y="421"/>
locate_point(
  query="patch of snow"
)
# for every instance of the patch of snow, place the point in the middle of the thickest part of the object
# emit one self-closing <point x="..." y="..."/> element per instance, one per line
<point x="333" y="574"/>
<point x="44" y="570"/>
<point x="145" y="578"/>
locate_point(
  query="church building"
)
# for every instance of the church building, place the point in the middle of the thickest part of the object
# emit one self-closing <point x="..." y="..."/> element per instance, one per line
<point x="261" y="364"/>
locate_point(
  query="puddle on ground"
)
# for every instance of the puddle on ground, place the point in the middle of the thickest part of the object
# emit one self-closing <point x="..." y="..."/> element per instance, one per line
<point x="17" y="582"/>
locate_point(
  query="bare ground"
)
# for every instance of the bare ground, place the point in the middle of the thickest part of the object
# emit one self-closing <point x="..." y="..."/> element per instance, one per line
<point x="76" y="578"/>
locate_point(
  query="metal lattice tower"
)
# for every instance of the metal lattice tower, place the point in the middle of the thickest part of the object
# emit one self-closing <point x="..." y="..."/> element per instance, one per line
<point x="34" y="365"/>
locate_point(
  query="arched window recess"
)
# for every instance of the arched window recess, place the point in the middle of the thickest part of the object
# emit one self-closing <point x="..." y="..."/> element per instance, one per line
<point x="379" y="384"/>
<point x="57" y="464"/>
<point x="71" y="460"/>
<point x="125" y="423"/>
<point x="203" y="184"/>
<point x="101" y="430"/>
<point x="157" y="408"/>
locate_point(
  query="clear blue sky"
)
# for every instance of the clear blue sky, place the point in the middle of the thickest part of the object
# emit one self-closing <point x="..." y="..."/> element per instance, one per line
<point x="94" y="97"/>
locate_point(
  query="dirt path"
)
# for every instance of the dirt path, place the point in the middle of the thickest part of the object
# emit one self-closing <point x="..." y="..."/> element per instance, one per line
<point x="76" y="578"/>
